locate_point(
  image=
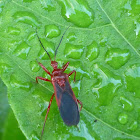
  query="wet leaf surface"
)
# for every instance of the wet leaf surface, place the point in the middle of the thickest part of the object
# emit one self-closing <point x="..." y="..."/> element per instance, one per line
<point x="102" y="45"/>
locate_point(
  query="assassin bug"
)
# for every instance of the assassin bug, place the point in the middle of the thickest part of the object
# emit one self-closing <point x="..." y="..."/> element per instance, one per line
<point x="65" y="98"/>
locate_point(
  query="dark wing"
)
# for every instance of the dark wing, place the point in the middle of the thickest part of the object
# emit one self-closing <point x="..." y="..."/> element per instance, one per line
<point x="67" y="104"/>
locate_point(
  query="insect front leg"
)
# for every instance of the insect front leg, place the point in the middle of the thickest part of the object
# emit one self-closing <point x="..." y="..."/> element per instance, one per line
<point x="72" y="73"/>
<point x="43" y="67"/>
<point x="41" y="78"/>
<point x="80" y="104"/>
<point x="65" y="66"/>
<point x="48" y="109"/>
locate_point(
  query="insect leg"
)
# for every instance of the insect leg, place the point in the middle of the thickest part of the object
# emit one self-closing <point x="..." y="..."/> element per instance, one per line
<point x="72" y="73"/>
<point x="65" y="66"/>
<point x="44" y="79"/>
<point x="48" y="109"/>
<point x="43" y="67"/>
<point x="80" y="104"/>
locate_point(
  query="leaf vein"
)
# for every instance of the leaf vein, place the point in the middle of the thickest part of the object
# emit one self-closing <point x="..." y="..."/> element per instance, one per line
<point x="117" y="29"/>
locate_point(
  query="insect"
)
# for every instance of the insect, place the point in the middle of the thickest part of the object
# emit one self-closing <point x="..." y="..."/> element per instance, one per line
<point x="65" y="98"/>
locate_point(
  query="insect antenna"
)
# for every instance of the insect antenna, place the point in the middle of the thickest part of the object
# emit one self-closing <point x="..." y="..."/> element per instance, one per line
<point x="60" y="41"/>
<point x="42" y="44"/>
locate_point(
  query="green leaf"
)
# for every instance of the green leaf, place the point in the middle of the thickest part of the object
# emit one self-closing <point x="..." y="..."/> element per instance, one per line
<point x="12" y="131"/>
<point x="8" y="124"/>
<point x="102" y="45"/>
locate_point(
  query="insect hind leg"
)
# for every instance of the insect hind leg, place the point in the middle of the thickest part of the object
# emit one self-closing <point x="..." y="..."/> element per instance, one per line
<point x="48" y="109"/>
<point x="80" y="104"/>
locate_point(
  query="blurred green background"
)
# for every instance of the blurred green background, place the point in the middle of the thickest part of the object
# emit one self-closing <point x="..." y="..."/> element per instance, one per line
<point x="9" y="129"/>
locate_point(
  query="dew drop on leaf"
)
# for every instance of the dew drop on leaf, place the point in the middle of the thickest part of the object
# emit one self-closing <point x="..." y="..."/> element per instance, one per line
<point x="22" y="50"/>
<point x="73" y="51"/>
<point x="48" y="5"/>
<point x="123" y="118"/>
<point x="79" y="68"/>
<point x="13" y="30"/>
<point x="18" y="84"/>
<point x="78" y="12"/>
<point x="126" y="104"/>
<point x="133" y="126"/>
<point x="4" y="68"/>
<point x="104" y="79"/>
<point x="26" y="17"/>
<point x="71" y="36"/>
<point x="116" y="57"/>
<point x="132" y="79"/>
<point x="52" y="31"/>
<point x="35" y="67"/>
<point x="31" y="36"/>
<point x="92" y="51"/>
<point x="137" y="30"/>
<point x="34" y="136"/>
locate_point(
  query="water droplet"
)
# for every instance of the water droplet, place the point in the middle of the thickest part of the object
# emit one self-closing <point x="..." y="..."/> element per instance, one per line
<point x="71" y="36"/>
<point x="123" y="118"/>
<point x="103" y="42"/>
<point x="18" y="84"/>
<point x="127" y="105"/>
<point x="83" y="134"/>
<point x="73" y="51"/>
<point x="128" y="5"/>
<point x="77" y="12"/>
<point x="49" y="68"/>
<point x="92" y="51"/>
<point x="28" y="0"/>
<point x="40" y="99"/>
<point x="5" y="68"/>
<point x="22" y="50"/>
<point x="116" y="57"/>
<point x="132" y="79"/>
<point x="26" y="17"/>
<point x="135" y="7"/>
<point x="49" y="46"/>
<point x="98" y="79"/>
<point x="79" y="68"/>
<point x="137" y="24"/>
<point x="51" y="31"/>
<point x="133" y="126"/>
<point x="86" y="127"/>
<point x="132" y="8"/>
<point x="104" y="79"/>
<point x="13" y="31"/>
<point x="31" y="36"/>
<point x="34" y="136"/>
<point x="43" y="107"/>
<point x="13" y="44"/>
<point x="47" y="5"/>
<point x="34" y="66"/>
<point x="76" y="87"/>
